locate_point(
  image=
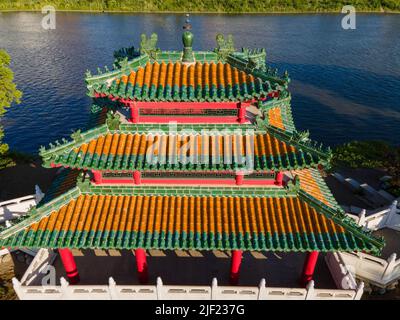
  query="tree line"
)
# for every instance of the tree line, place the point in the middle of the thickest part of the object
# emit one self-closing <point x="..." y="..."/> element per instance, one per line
<point x="229" y="6"/>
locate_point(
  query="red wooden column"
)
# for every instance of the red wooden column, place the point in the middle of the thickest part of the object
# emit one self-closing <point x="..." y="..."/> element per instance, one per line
<point x="69" y="265"/>
<point x="141" y="265"/>
<point x="309" y="267"/>
<point x="134" y="112"/>
<point x="97" y="177"/>
<point x="279" y="178"/>
<point x="235" y="266"/>
<point x="242" y="114"/>
<point x="137" y="177"/>
<point x="239" y="177"/>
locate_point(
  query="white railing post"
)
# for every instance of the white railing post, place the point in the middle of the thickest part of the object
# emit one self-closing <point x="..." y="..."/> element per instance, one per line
<point x="64" y="289"/>
<point x="262" y="290"/>
<point x="115" y="292"/>
<point x="112" y="289"/>
<point x="391" y="214"/>
<point x="159" y="288"/>
<point x="360" y="291"/>
<point x="214" y="289"/>
<point x="391" y="264"/>
<point x="361" y="217"/>
<point x="17" y="288"/>
<point x="38" y="194"/>
<point x="310" y="290"/>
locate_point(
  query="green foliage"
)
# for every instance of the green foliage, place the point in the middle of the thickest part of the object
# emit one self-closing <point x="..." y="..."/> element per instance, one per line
<point x="361" y="154"/>
<point x="8" y="89"/>
<point x="230" y="6"/>
<point x="8" y="94"/>
<point x="371" y="154"/>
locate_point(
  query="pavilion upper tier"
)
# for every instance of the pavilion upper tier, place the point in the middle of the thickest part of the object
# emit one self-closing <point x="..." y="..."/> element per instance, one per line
<point x="220" y="75"/>
<point x="218" y="86"/>
<point x="114" y="146"/>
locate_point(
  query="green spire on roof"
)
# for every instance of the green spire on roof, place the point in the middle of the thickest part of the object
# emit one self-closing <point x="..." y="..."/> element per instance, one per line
<point x="187" y="39"/>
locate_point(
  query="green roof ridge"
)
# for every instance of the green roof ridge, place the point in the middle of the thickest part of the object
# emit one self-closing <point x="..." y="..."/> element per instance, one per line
<point x="324" y="188"/>
<point x="77" y="139"/>
<point x="339" y="217"/>
<point x="136" y="62"/>
<point x="300" y="141"/>
<point x="35" y="214"/>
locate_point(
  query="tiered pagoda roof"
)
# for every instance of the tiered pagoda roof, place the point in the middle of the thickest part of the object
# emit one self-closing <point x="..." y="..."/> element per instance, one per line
<point x="141" y="147"/>
<point x="179" y="82"/>
<point x="301" y="215"/>
<point x="201" y="218"/>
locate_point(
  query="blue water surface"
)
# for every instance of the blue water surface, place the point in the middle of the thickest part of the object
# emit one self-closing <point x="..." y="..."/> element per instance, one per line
<point x="345" y="83"/>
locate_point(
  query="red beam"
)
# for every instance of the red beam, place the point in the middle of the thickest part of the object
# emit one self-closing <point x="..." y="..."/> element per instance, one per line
<point x="189" y="119"/>
<point x="185" y="181"/>
<point x="187" y="105"/>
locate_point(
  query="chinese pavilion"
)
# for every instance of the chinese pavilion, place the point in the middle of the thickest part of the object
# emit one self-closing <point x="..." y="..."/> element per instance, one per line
<point x="189" y="150"/>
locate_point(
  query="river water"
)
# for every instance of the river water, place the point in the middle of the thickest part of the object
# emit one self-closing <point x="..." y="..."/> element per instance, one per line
<point x="345" y="83"/>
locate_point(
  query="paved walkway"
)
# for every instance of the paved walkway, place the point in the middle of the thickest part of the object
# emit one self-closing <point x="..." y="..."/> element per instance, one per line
<point x="364" y="175"/>
<point x="392" y="238"/>
<point x="344" y="195"/>
<point x="195" y="268"/>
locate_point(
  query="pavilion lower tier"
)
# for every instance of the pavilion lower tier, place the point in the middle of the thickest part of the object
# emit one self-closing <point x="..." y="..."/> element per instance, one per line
<point x="143" y="264"/>
<point x="281" y="223"/>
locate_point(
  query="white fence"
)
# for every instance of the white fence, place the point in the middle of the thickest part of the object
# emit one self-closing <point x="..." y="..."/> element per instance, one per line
<point x="29" y="289"/>
<point x="38" y="267"/>
<point x="112" y="291"/>
<point x="386" y="218"/>
<point x="12" y="209"/>
<point x="343" y="277"/>
<point x="377" y="271"/>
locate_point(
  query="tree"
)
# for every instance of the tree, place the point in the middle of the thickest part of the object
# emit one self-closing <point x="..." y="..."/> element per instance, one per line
<point x="8" y="95"/>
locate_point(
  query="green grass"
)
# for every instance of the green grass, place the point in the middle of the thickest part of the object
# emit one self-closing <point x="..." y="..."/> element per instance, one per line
<point x="226" y="6"/>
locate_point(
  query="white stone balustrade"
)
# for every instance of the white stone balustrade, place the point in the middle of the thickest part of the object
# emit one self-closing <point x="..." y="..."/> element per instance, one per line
<point x="383" y="218"/>
<point x="112" y="291"/>
<point x="377" y="271"/>
<point x="12" y="209"/>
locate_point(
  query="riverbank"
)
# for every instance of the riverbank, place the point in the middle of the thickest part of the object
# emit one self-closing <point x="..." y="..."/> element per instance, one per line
<point x="272" y="12"/>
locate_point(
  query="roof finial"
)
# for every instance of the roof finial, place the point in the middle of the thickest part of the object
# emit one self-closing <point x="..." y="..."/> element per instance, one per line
<point x="187" y="39"/>
<point x="187" y="25"/>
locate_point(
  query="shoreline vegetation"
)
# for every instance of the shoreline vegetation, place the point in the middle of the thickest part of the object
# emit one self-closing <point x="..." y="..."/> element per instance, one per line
<point x="372" y="154"/>
<point x="203" y="6"/>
